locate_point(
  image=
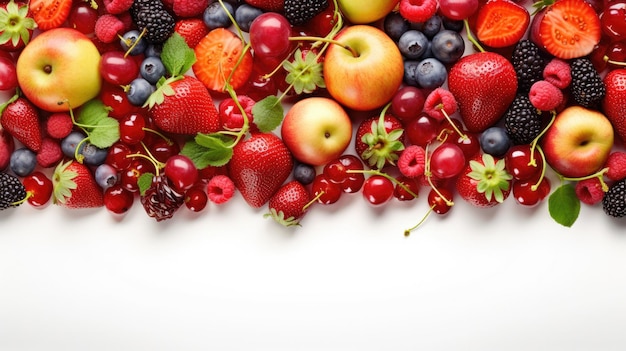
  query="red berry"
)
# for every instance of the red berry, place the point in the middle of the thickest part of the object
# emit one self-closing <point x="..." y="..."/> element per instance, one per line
<point x="325" y="190"/>
<point x="220" y="189"/>
<point x="38" y="187"/>
<point x="117" y="199"/>
<point x="378" y="189"/>
<point x="181" y="172"/>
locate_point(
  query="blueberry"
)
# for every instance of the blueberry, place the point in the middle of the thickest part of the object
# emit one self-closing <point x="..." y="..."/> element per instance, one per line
<point x="152" y="69"/>
<point x="105" y="175"/>
<point x="430" y="73"/>
<point x="214" y="15"/>
<point x="413" y="44"/>
<point x="245" y="14"/>
<point x="138" y="91"/>
<point x="153" y="50"/>
<point x="448" y="46"/>
<point x="432" y="26"/>
<point x="495" y="141"/>
<point x="23" y="161"/>
<point x="410" y="68"/>
<point x="129" y="39"/>
<point x="93" y="155"/>
<point x="304" y="173"/>
<point x="70" y="142"/>
<point x="395" y="25"/>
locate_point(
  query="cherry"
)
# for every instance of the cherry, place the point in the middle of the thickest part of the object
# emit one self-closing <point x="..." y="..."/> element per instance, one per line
<point x="337" y="171"/>
<point x="422" y="130"/>
<point x="378" y="189"/>
<point x="518" y="162"/>
<point x="230" y="114"/>
<point x="470" y="144"/>
<point x="324" y="190"/>
<point x="269" y="35"/>
<point x="130" y="176"/>
<point x="163" y="149"/>
<point x="613" y="20"/>
<point x="117" y="156"/>
<point x="408" y="103"/>
<point x="447" y="161"/>
<point x="83" y="17"/>
<point x="117" y="68"/>
<point x="401" y="193"/>
<point x="259" y="85"/>
<point x="181" y="171"/>
<point x="132" y="128"/>
<point x="458" y="9"/>
<point x="524" y="193"/>
<point x="38" y="187"/>
<point x="439" y="204"/>
<point x="196" y="198"/>
<point x="114" y="97"/>
<point x="324" y="22"/>
<point x="117" y="199"/>
<point x="8" y="73"/>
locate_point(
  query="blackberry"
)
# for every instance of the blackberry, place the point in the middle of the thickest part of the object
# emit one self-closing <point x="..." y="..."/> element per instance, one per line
<point x="522" y="121"/>
<point x="153" y="17"/>
<point x="529" y="62"/>
<point x="614" y="200"/>
<point x="11" y="191"/>
<point x="587" y="87"/>
<point x="299" y="12"/>
<point x="160" y="200"/>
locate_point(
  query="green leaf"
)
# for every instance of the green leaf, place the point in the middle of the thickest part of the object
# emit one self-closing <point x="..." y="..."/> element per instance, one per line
<point x="268" y="113"/>
<point x="144" y="182"/>
<point x="177" y="56"/>
<point x="105" y="133"/>
<point x="208" y="150"/>
<point x="92" y="112"/>
<point x="564" y="205"/>
<point x="102" y="130"/>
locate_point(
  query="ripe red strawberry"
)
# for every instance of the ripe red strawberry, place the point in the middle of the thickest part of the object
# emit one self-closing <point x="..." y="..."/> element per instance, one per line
<point x="192" y="30"/>
<point x="75" y="186"/>
<point x="50" y="13"/>
<point x="484" y="85"/>
<point x="501" y="23"/>
<point x="289" y="203"/>
<point x="614" y="101"/>
<point x="21" y="119"/>
<point x="566" y="29"/>
<point x="379" y="141"/>
<point x="259" y="166"/>
<point x="484" y="182"/>
<point x="268" y="5"/>
<point x="189" y="8"/>
<point x="188" y="109"/>
<point x="17" y="25"/>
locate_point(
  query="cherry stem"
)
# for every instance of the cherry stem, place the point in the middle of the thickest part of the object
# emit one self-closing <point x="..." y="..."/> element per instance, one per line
<point x="534" y="145"/>
<point x="535" y="186"/>
<point x="327" y="40"/>
<point x="407" y="232"/>
<point x="428" y="176"/>
<point x="134" y="44"/>
<point x="616" y="63"/>
<point x="456" y="129"/>
<point x="470" y="37"/>
<point x="313" y="200"/>
<point x="598" y="175"/>
<point x="392" y="179"/>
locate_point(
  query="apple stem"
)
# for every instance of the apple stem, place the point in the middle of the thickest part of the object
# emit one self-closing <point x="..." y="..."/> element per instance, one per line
<point x="327" y="40"/>
<point x="471" y="38"/>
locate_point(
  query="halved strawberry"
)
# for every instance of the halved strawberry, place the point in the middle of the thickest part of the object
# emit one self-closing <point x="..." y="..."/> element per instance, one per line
<point x="566" y="29"/>
<point x="220" y="55"/>
<point x="50" y="14"/>
<point x="501" y="23"/>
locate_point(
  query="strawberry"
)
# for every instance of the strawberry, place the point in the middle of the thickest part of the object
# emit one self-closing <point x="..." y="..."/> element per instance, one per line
<point x="192" y="30"/>
<point x="187" y="109"/>
<point x="289" y="204"/>
<point x="259" y="166"/>
<point x="218" y="57"/>
<point x="16" y="27"/>
<point x="75" y="186"/>
<point x="501" y="23"/>
<point x="380" y="140"/>
<point x="484" y="85"/>
<point x="566" y="29"/>
<point x="50" y="14"/>
<point x="484" y="182"/>
<point x="21" y="119"/>
<point x="268" y="5"/>
<point x="614" y="101"/>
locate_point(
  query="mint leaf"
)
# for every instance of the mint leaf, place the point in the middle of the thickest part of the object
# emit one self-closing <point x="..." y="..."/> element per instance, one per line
<point x="144" y="182"/>
<point x="177" y="56"/>
<point x="564" y="205"/>
<point x="102" y="130"/>
<point x="105" y="133"/>
<point x="208" y="150"/>
<point x="268" y="113"/>
<point x="92" y="112"/>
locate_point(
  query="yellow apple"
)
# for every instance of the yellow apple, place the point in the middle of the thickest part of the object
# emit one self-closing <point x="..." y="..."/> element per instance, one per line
<point x="59" y="69"/>
<point x="366" y="70"/>
<point x="363" y="12"/>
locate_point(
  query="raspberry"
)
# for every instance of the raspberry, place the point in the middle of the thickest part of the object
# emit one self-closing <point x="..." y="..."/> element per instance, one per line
<point x="59" y="125"/>
<point x="589" y="191"/>
<point x="616" y="164"/>
<point x="439" y="103"/>
<point x="189" y="8"/>
<point x="417" y="11"/>
<point x="412" y="161"/>
<point x="50" y="153"/>
<point x="558" y="72"/>
<point x="115" y="7"/>
<point x="220" y="189"/>
<point x="545" y="96"/>
<point x="107" y="28"/>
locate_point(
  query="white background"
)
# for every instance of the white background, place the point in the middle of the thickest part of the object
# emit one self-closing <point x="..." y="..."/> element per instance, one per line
<point x="506" y="278"/>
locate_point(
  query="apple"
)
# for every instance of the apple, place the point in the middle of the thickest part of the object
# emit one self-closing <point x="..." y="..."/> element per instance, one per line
<point x="365" y="70"/>
<point x="578" y="142"/>
<point x="316" y="130"/>
<point x="364" y="12"/>
<point x="58" y="66"/>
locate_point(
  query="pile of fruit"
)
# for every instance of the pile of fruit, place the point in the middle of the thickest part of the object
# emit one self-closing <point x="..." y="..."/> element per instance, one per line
<point x="295" y="103"/>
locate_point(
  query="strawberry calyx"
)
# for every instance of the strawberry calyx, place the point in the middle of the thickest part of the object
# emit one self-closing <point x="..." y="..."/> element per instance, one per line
<point x="491" y="176"/>
<point x="383" y="146"/>
<point x="279" y="217"/>
<point x="63" y="182"/>
<point x="15" y="25"/>
<point x="304" y="72"/>
<point x="542" y="4"/>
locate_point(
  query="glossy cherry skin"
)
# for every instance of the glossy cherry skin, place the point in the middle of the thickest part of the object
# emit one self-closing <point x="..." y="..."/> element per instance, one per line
<point x="117" y="68"/>
<point x="196" y="199"/>
<point x="117" y="199"/>
<point x="438" y="203"/>
<point x="447" y="161"/>
<point x="39" y="188"/>
<point x="181" y="172"/>
<point x="401" y="193"/>
<point x="337" y="171"/>
<point x="326" y="191"/>
<point x="132" y="128"/>
<point x="518" y="162"/>
<point x="524" y="194"/>
<point x="378" y="190"/>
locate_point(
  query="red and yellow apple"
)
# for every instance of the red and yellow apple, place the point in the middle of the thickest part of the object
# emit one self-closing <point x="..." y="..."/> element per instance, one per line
<point x="364" y="12"/>
<point x="316" y="130"/>
<point x="365" y="70"/>
<point x="578" y="142"/>
<point x="59" y="69"/>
